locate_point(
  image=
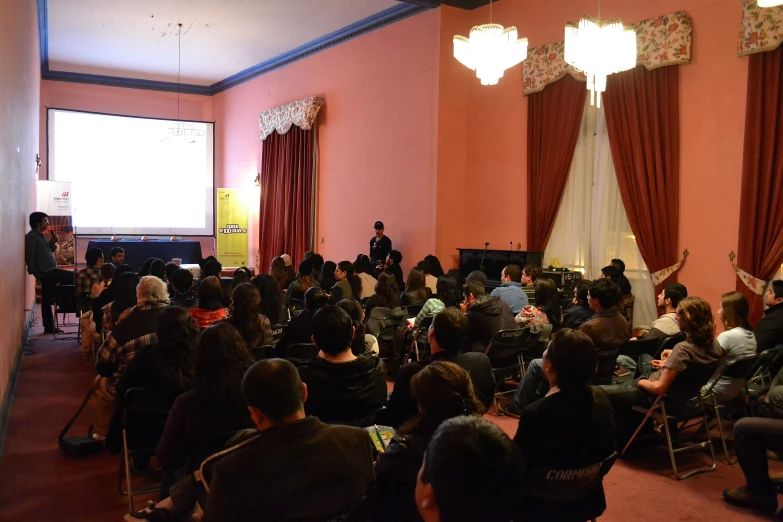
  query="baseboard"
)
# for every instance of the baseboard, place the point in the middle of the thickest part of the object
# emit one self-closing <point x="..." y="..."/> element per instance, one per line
<point x="5" y="408"/>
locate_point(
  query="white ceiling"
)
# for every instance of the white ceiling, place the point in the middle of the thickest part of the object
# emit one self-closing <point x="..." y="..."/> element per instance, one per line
<point x="138" y="38"/>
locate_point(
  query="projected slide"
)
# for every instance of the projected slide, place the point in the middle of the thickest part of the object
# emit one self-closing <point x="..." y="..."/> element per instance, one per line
<point x="134" y="175"/>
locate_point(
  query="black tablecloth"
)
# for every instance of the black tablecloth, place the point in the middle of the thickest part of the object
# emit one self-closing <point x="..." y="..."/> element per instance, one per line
<point x="136" y="252"/>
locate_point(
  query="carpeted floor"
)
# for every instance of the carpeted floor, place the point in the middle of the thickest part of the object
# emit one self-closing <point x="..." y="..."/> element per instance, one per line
<point x="40" y="483"/>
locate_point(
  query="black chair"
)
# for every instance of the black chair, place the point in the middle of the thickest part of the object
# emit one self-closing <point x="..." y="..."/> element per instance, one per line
<point x="668" y="343"/>
<point x="277" y="332"/>
<point x="607" y="362"/>
<point x="567" y="493"/>
<point x="741" y="368"/>
<point x="142" y="408"/>
<point x="413" y="310"/>
<point x="762" y="373"/>
<point x="295" y="306"/>
<point x="420" y="346"/>
<point x="685" y="386"/>
<point x="358" y="422"/>
<point x="505" y="357"/>
<point x="66" y="302"/>
<point x="302" y="351"/>
<point x="634" y="349"/>
<point x="263" y="352"/>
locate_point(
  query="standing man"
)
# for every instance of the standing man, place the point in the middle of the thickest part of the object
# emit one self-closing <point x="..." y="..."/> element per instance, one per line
<point x="380" y="246"/>
<point x="41" y="264"/>
<point x="117" y="255"/>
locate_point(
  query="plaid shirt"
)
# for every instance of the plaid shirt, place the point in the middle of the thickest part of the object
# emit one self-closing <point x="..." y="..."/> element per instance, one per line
<point x="87" y="277"/>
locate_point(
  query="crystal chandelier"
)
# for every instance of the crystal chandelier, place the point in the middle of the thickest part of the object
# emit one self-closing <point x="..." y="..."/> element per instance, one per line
<point x="769" y="3"/>
<point x="599" y="49"/>
<point x="490" y="50"/>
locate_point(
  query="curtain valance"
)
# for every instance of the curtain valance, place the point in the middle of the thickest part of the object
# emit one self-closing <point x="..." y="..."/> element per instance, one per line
<point x="301" y="113"/>
<point x="665" y="40"/>
<point x="762" y="28"/>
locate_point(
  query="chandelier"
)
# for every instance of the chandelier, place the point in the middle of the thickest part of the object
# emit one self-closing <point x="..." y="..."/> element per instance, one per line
<point x="490" y="50"/>
<point x="599" y="49"/>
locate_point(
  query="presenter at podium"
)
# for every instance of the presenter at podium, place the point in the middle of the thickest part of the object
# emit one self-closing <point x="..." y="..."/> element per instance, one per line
<point x="39" y="255"/>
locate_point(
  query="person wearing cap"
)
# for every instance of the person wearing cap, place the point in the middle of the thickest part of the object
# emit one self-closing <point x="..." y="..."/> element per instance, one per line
<point x="380" y="246"/>
<point x="290" y="275"/>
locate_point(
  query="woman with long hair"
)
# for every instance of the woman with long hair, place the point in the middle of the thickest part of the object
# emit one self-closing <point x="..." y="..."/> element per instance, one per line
<point x="210" y="307"/>
<point x="737" y="341"/>
<point x="348" y="284"/>
<point x="124" y="294"/>
<point x="277" y="270"/>
<point x="442" y="391"/>
<point x="387" y="293"/>
<point x="303" y="281"/>
<point x="416" y="291"/>
<point x="447" y="296"/>
<point x="363" y="342"/>
<point x="547" y="309"/>
<point x="272" y="299"/>
<point x="327" y="280"/>
<point x="244" y="314"/>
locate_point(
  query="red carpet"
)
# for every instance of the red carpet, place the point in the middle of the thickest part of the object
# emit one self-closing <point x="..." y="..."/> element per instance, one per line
<point x="40" y="483"/>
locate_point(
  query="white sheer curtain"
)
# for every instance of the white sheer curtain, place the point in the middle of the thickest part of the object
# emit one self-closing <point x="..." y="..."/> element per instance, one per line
<point x="591" y="226"/>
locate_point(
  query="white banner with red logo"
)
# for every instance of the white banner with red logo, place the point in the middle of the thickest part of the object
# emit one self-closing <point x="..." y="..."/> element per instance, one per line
<point x="54" y="198"/>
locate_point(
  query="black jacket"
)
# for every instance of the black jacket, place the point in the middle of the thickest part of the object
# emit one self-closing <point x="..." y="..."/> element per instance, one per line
<point x="402" y="405"/>
<point x="296" y="331"/>
<point x="769" y="331"/>
<point x="302" y="470"/>
<point x="624" y="284"/>
<point x="576" y="316"/>
<point x="396" y="270"/>
<point x="344" y="391"/>
<point x="395" y="477"/>
<point x="379" y="249"/>
<point x="486" y="317"/>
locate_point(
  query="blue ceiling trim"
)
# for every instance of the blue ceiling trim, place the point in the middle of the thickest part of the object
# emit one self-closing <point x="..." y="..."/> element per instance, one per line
<point x="369" y="24"/>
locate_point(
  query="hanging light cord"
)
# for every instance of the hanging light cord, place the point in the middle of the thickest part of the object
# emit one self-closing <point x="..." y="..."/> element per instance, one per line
<point x="599" y="10"/>
<point x="490" y="11"/>
<point x="179" y="64"/>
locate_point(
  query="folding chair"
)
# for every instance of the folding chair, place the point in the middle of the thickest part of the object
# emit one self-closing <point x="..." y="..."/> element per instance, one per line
<point x="141" y="409"/>
<point x="628" y="301"/>
<point x="66" y="302"/>
<point x="567" y="493"/>
<point x="607" y="362"/>
<point x="634" y="349"/>
<point x="420" y="338"/>
<point x="302" y="351"/>
<point x="762" y="375"/>
<point x="263" y="352"/>
<point x="277" y="332"/>
<point x="686" y="385"/>
<point x="668" y="343"/>
<point x="738" y="369"/>
<point x="413" y="310"/>
<point x="505" y="357"/>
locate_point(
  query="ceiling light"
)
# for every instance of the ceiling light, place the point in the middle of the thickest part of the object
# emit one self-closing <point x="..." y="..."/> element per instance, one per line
<point x="490" y="50"/>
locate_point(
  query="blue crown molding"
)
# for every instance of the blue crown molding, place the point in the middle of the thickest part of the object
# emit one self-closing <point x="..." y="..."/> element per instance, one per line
<point x="362" y="27"/>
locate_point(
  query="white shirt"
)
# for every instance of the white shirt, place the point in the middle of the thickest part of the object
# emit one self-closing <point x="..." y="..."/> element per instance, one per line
<point x="368" y="285"/>
<point x="737" y="343"/>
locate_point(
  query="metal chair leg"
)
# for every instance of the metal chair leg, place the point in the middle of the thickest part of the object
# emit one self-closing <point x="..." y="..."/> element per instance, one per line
<point x="635" y="433"/>
<point x="128" y="478"/>
<point x="722" y="435"/>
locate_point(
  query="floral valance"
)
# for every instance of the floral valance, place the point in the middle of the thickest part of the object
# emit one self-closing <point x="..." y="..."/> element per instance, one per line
<point x="762" y="28"/>
<point x="301" y="113"/>
<point x="665" y="40"/>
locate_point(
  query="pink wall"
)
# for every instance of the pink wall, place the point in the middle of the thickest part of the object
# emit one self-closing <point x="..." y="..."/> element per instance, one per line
<point x="127" y="102"/>
<point x="712" y="105"/>
<point x="19" y="99"/>
<point x="377" y="136"/>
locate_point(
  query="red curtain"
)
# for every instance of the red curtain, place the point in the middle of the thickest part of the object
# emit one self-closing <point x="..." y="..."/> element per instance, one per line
<point x="643" y="121"/>
<point x="286" y="196"/>
<point x="760" y="248"/>
<point x="553" y="119"/>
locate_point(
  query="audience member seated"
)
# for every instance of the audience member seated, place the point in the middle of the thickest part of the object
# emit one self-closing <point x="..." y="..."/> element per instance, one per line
<point x="327" y="280"/>
<point x="447" y="337"/>
<point x="364" y="271"/>
<point x="580" y="310"/>
<point x="530" y="274"/>
<point x="135" y="329"/>
<point x="244" y="314"/>
<point x="184" y="293"/>
<point x="123" y="297"/>
<point x="158" y="269"/>
<point x="301" y="283"/>
<point x="171" y="267"/>
<point x="468" y="459"/>
<point x="289" y="269"/>
<point x="769" y="331"/>
<point x="393" y="261"/>
<point x="107" y="296"/>
<point x="571" y="427"/>
<point x="477" y="275"/>
<point x="298" y="329"/>
<point x="145" y="267"/>
<point x="442" y="390"/>
<point x="117" y="256"/>
<point x="431" y="266"/>
<point x="737" y="342"/>
<point x="545" y="316"/>
<point x="272" y="298"/>
<point x="241" y="275"/>
<point x="753" y="438"/>
<point x="698" y="350"/>
<point x="386" y="294"/>
<point x="277" y="271"/>
<point x="341" y="386"/>
<point x="363" y="342"/>
<point x="210" y="307"/>
<point x="622" y="281"/>
<point x="318" y="263"/>
<point x="87" y="277"/>
<point x="166" y="367"/>
<point x="510" y="290"/>
<point x="446" y="295"/>
<point x="107" y="273"/>
<point x="297" y="468"/>
<point x="416" y="291"/>
<point x="348" y="284"/>
<point x="486" y="315"/>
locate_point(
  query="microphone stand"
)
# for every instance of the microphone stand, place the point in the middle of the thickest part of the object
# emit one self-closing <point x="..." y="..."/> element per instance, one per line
<point x="481" y="266"/>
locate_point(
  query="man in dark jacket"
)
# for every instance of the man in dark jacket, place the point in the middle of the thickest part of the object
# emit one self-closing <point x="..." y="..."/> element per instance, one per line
<point x="184" y="291"/>
<point x="486" y="315"/>
<point x="447" y="337"/>
<point x="298" y="329"/>
<point x="341" y="386"/>
<point x="769" y="331"/>
<point x="580" y="310"/>
<point x="330" y="466"/>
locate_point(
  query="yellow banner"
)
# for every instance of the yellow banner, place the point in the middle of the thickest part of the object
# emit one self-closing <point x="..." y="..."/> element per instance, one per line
<point x="232" y="223"/>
